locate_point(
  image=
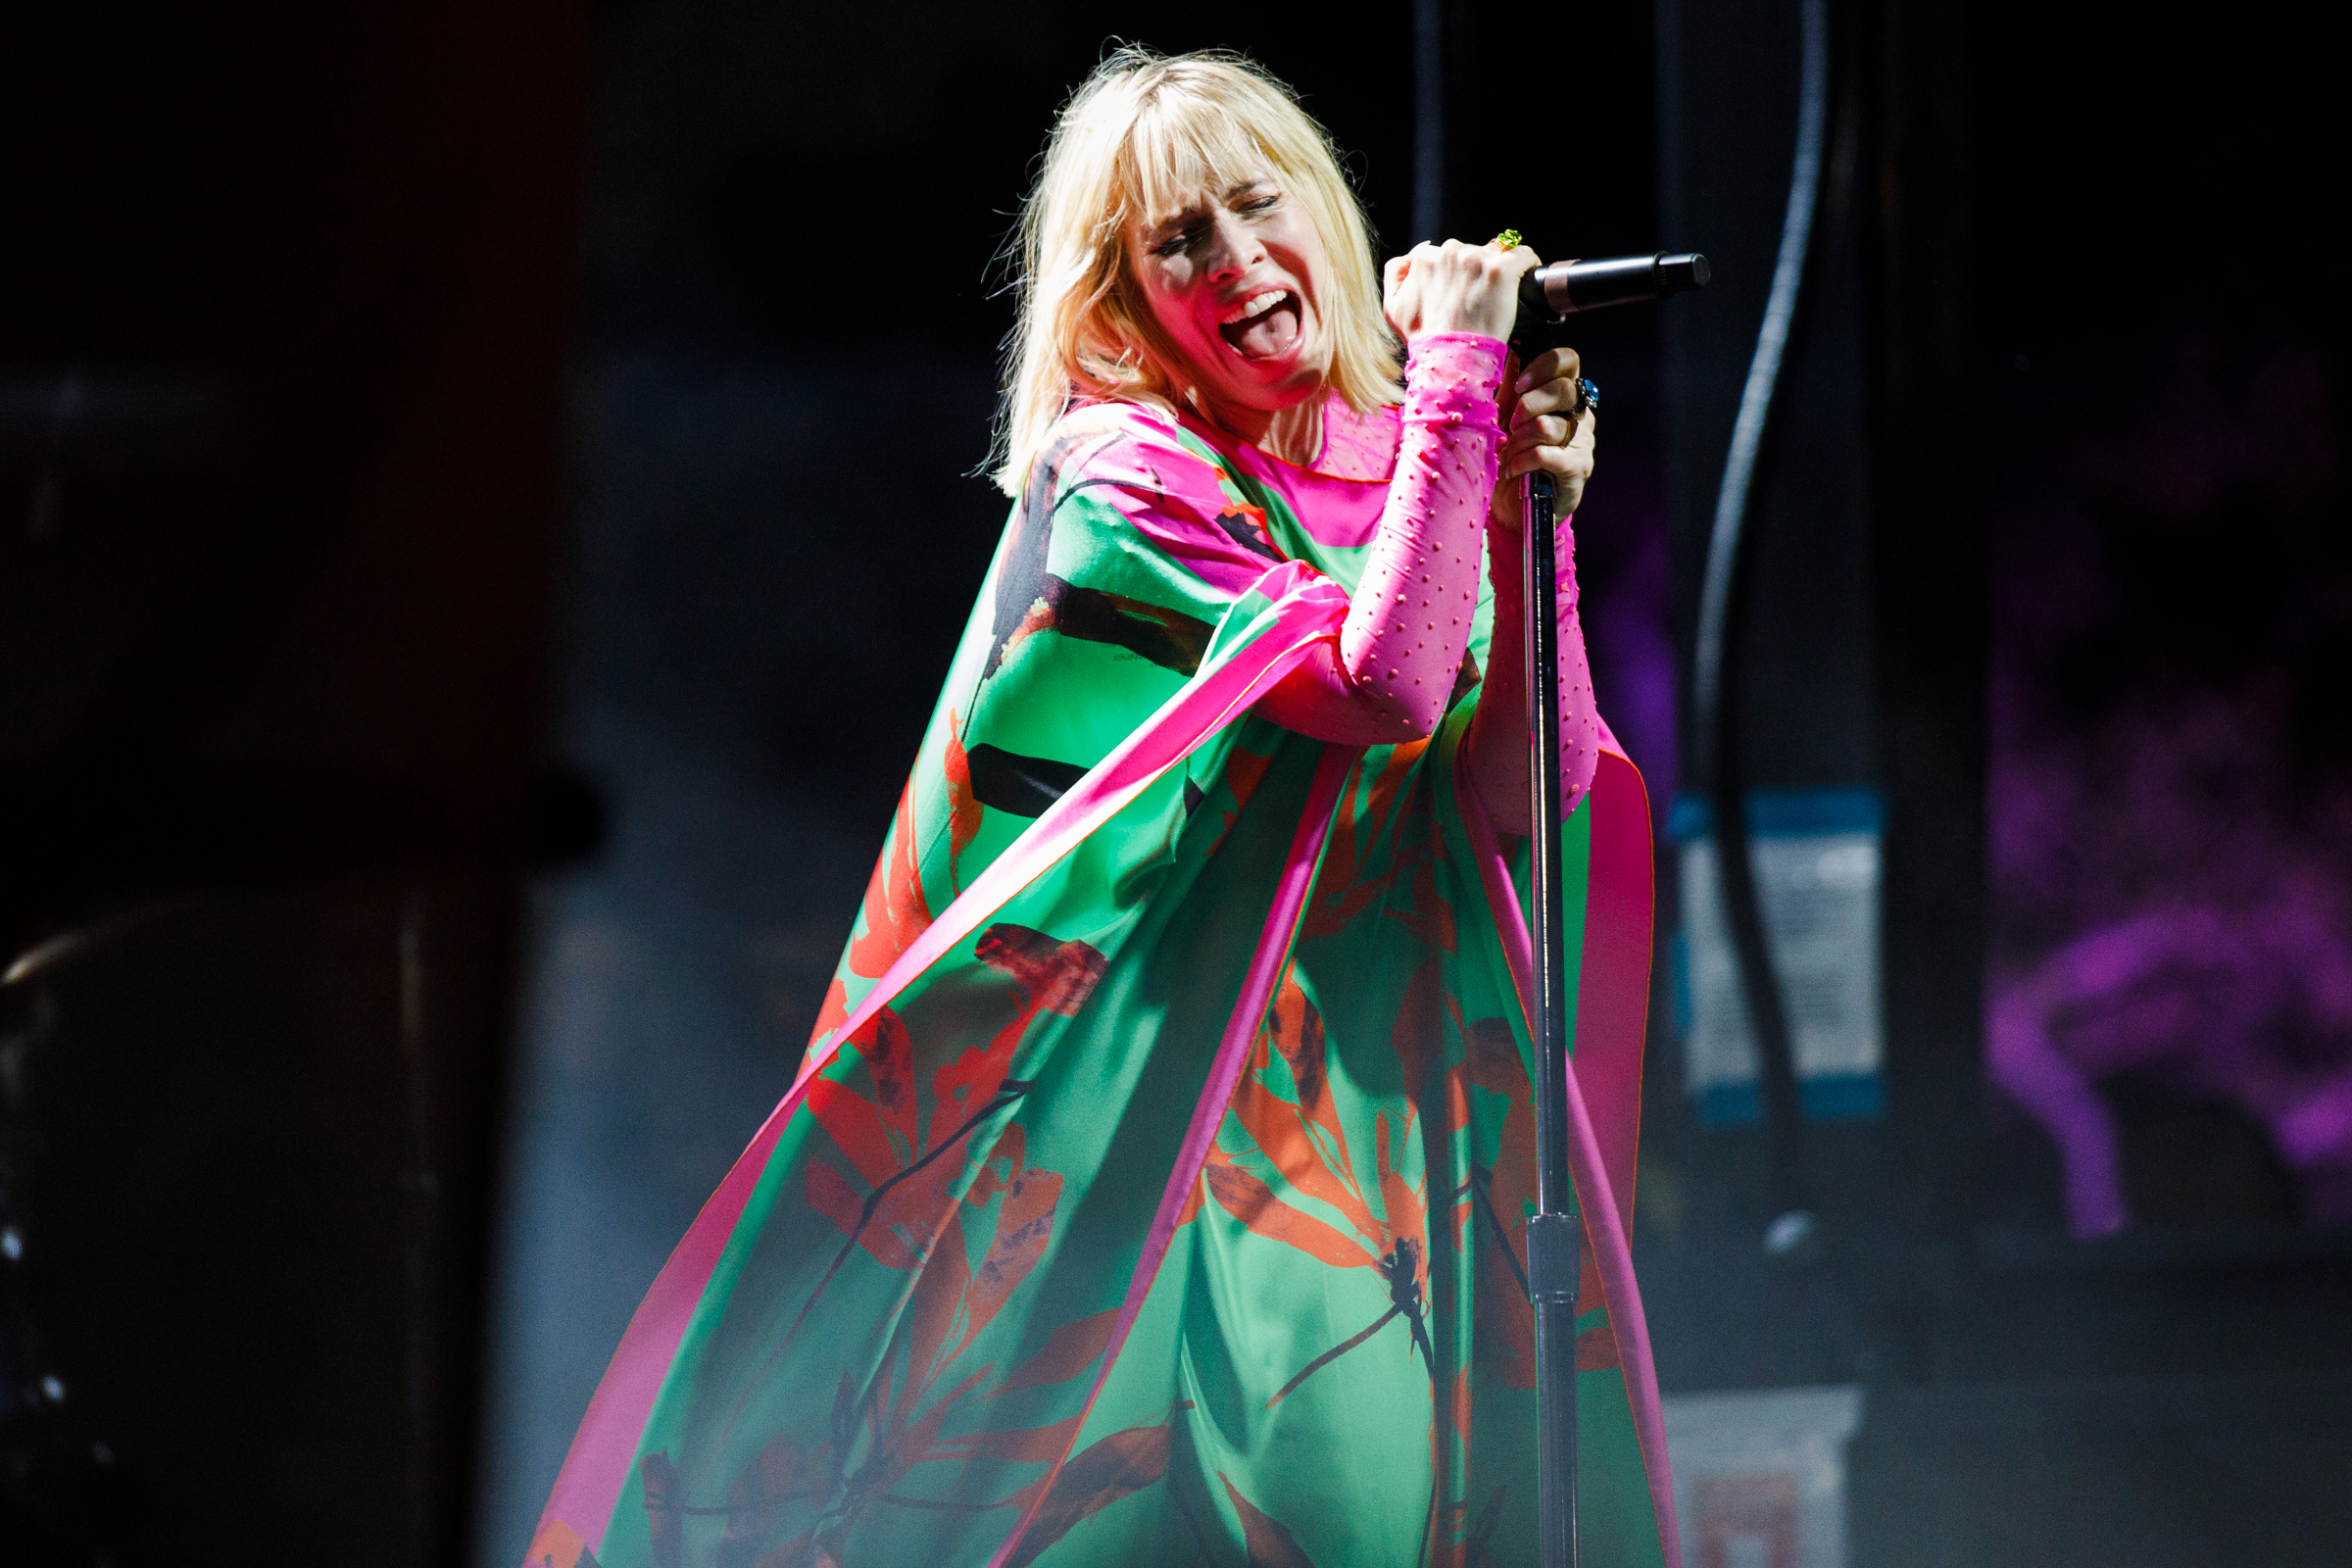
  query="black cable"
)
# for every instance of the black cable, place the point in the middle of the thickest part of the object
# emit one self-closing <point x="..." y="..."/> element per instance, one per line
<point x="1715" y="696"/>
<point x="1429" y="120"/>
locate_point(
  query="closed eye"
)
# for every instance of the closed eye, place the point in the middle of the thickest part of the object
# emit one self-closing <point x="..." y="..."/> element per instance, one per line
<point x="1175" y="244"/>
<point x="1193" y="233"/>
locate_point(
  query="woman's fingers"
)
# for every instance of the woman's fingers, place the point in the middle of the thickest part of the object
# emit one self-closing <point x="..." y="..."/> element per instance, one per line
<point x="1545" y="431"/>
<point x="1551" y="398"/>
<point x="1405" y="298"/>
<point x="1539" y="430"/>
<point x="1569" y="464"/>
<point x="1551" y="432"/>
<point x="1570" y="459"/>
<point x="1553" y="364"/>
<point x="1456" y="288"/>
<point x="1394" y="302"/>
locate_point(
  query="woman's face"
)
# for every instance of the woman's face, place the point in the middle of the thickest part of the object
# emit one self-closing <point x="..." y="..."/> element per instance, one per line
<point x="1233" y="280"/>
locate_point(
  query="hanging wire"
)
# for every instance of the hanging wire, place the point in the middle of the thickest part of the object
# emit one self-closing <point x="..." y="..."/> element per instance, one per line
<point x="1713" y="697"/>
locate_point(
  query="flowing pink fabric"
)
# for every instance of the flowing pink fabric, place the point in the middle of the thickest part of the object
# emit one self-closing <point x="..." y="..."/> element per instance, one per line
<point x="1307" y="609"/>
<point x="1273" y="951"/>
<point x="1308" y="606"/>
<point x="1612" y="1012"/>
<point x="1305" y="602"/>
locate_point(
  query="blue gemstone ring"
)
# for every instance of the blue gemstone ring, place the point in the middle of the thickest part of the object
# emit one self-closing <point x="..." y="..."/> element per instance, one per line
<point x="1587" y="396"/>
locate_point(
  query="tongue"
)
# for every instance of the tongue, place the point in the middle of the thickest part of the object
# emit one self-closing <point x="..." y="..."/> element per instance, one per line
<point x="1264" y="336"/>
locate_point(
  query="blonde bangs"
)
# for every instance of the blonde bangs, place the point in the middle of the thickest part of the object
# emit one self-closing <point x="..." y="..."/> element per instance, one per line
<point x="1173" y="153"/>
<point x="1143" y="137"/>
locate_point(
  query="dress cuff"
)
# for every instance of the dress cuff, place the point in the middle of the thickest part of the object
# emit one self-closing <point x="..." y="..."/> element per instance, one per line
<point x="1453" y="377"/>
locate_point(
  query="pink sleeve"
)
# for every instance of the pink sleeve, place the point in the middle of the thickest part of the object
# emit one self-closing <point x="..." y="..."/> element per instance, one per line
<point x="1392" y="672"/>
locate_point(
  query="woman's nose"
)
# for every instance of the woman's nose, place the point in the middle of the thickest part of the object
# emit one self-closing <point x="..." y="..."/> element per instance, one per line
<point x="1233" y="248"/>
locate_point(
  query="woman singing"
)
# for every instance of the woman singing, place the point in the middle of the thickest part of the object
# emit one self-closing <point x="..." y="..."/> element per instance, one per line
<point x="1155" y="1189"/>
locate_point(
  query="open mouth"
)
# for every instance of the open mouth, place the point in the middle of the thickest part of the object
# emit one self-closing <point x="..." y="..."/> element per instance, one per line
<point x="1263" y="326"/>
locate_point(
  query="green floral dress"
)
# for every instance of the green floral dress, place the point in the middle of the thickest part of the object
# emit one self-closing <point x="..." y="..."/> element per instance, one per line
<point x="1155" y="1187"/>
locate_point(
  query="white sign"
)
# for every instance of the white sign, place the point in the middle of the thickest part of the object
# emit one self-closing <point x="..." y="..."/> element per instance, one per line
<point x="1816" y="859"/>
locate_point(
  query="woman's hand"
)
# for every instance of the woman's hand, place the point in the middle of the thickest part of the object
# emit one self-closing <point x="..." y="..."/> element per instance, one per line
<point x="1456" y="288"/>
<point x="1546" y="433"/>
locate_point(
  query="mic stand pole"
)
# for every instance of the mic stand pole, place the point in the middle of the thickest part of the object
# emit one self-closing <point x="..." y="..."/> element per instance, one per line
<point x="1555" y="1232"/>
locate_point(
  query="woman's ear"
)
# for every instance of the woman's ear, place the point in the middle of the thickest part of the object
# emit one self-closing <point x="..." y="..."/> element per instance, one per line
<point x="1128" y="337"/>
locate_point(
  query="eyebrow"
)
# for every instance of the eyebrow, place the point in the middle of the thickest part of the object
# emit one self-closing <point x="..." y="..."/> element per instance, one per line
<point x="1174" y="220"/>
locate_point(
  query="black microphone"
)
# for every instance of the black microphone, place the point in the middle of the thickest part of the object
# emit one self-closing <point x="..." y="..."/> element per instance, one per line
<point x="1552" y="294"/>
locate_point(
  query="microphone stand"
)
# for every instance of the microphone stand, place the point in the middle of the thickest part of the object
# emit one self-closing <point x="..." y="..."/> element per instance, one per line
<point x="1554" y="1235"/>
<point x="1549" y="296"/>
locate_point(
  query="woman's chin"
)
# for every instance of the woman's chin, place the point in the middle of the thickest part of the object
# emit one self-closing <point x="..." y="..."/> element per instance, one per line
<point x="1277" y="381"/>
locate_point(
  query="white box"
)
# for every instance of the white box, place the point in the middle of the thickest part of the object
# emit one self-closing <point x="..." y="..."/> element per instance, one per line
<point x="1759" y="1477"/>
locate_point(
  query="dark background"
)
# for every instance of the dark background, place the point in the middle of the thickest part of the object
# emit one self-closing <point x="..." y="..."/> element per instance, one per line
<point x="486" y="501"/>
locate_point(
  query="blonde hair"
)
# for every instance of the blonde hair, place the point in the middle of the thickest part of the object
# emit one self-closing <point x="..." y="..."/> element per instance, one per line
<point x="1144" y="133"/>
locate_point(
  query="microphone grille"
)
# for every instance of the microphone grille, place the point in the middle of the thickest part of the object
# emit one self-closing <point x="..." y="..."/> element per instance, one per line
<point x="1688" y="269"/>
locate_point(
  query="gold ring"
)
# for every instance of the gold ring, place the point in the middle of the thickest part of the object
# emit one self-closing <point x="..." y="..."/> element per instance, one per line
<point x="1506" y="240"/>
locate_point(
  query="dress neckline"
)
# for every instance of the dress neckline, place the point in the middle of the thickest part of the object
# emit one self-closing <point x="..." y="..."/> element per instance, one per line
<point x="1357" y="447"/>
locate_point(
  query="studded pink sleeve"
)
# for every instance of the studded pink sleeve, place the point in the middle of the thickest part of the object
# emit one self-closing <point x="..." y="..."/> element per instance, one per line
<point x="1409" y="621"/>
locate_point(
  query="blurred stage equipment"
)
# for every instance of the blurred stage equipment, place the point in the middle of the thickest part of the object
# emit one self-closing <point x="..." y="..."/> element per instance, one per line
<point x="2153" y="1397"/>
<point x="281" y="451"/>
